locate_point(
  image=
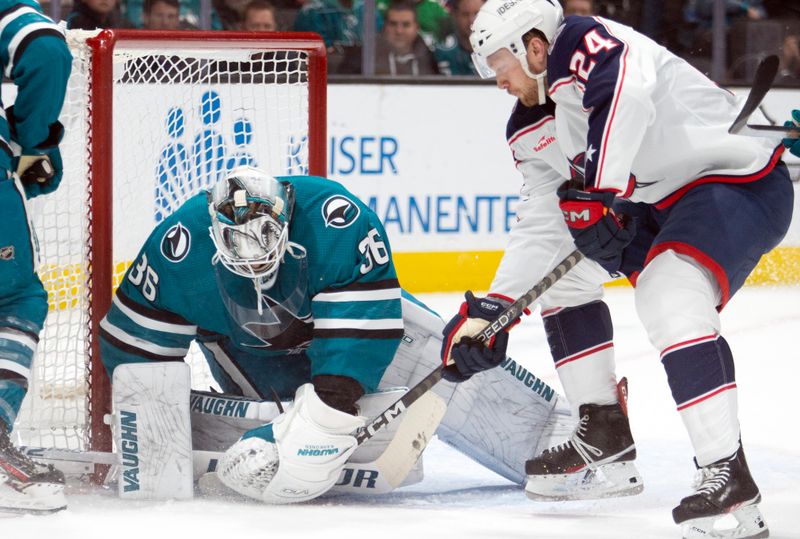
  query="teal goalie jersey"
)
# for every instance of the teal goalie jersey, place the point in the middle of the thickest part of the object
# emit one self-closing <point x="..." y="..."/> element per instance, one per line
<point x="334" y="310"/>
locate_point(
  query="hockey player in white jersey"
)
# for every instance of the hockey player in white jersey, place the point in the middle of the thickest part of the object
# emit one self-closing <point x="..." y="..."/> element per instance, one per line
<point x="294" y="293"/>
<point x="658" y="191"/>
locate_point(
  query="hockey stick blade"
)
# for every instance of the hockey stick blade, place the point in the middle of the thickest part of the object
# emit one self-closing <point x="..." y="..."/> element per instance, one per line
<point x="768" y="130"/>
<point x="765" y="75"/>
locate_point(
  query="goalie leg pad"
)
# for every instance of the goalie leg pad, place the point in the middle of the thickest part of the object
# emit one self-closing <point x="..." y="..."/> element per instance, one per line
<point x="151" y="430"/>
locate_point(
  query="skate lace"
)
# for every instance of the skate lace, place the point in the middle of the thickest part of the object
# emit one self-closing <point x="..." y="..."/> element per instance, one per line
<point x="710" y="479"/>
<point x="586" y="451"/>
<point x="13" y="456"/>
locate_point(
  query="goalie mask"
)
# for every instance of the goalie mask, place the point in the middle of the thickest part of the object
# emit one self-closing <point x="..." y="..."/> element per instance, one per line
<point x="250" y="214"/>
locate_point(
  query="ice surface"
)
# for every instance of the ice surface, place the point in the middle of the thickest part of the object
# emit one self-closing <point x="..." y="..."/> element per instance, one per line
<point x="461" y="499"/>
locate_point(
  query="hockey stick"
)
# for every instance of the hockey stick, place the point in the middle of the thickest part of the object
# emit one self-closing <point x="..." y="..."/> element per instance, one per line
<point x="762" y="82"/>
<point x="503" y="320"/>
<point x="83" y="461"/>
<point x="768" y="130"/>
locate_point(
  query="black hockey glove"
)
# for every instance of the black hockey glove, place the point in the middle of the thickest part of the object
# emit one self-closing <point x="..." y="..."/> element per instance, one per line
<point x="39" y="168"/>
<point x="464" y="356"/>
<point x="599" y="233"/>
<point x="39" y="173"/>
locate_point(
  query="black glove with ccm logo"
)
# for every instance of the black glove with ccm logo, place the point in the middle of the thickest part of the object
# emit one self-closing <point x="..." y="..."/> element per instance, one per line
<point x="463" y="355"/>
<point x="598" y="232"/>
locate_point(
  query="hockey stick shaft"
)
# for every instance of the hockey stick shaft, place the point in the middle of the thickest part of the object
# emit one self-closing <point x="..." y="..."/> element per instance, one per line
<point x="769" y="130"/>
<point x="515" y="310"/>
<point x="504" y="320"/>
<point x="762" y="82"/>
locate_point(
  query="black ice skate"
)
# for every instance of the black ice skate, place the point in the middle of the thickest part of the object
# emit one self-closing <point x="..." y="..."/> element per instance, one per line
<point x="27" y="486"/>
<point x="595" y="462"/>
<point x="722" y="488"/>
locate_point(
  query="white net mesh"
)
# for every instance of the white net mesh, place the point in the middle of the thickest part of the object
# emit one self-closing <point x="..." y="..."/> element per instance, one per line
<point x="182" y="117"/>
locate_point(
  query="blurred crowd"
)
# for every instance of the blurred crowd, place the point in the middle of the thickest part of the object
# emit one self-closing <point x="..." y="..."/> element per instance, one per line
<point x="431" y="37"/>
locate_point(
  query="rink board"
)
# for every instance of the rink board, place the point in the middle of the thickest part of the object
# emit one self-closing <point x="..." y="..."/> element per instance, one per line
<point x="433" y="163"/>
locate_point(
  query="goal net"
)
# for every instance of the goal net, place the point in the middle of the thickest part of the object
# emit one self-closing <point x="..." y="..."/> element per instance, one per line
<point x="151" y="118"/>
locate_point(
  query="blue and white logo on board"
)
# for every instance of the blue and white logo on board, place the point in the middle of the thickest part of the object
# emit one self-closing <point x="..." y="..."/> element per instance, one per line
<point x="339" y="212"/>
<point x="196" y="157"/>
<point x="176" y="243"/>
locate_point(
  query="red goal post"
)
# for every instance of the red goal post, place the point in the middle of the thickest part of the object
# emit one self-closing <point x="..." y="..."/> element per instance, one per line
<point x="151" y="118"/>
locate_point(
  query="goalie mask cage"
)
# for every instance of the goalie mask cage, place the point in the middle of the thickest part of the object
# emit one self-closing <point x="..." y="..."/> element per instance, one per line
<point x="151" y="118"/>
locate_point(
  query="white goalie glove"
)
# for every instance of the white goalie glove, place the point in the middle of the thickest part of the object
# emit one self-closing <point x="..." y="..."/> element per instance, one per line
<point x="295" y="458"/>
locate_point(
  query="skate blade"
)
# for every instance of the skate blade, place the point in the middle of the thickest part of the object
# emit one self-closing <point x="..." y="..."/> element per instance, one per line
<point x="613" y="480"/>
<point x="40" y="499"/>
<point x="743" y="523"/>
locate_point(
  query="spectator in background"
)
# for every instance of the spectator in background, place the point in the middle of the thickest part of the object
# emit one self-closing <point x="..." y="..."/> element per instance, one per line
<point x="161" y="15"/>
<point x="579" y="7"/>
<point x="432" y="17"/>
<point x="93" y="14"/>
<point x="223" y="17"/>
<point x="790" y="59"/>
<point x="399" y="50"/>
<point x="454" y="53"/>
<point x="259" y="16"/>
<point x="696" y="37"/>
<point x="339" y="22"/>
<point x="701" y="12"/>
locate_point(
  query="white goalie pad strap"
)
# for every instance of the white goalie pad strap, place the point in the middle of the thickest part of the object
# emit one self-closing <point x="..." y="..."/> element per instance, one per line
<point x="500" y="418"/>
<point x="218" y="421"/>
<point x="151" y="430"/>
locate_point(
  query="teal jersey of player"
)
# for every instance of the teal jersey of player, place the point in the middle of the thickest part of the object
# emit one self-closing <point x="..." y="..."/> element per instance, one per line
<point x="340" y="309"/>
<point x="34" y="55"/>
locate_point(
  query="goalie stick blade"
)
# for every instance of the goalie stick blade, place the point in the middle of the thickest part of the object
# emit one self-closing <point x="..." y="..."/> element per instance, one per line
<point x="417" y="428"/>
<point x="762" y="82"/>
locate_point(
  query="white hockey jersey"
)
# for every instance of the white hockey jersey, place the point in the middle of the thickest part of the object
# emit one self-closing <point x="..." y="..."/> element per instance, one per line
<point x="628" y="116"/>
<point x="651" y="125"/>
<point x="539" y="239"/>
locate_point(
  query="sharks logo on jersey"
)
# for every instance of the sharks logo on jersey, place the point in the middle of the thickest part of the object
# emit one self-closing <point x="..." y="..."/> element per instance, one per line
<point x="176" y="243"/>
<point x="339" y="212"/>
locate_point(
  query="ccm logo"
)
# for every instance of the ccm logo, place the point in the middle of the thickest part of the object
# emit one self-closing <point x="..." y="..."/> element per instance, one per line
<point x="572" y="216"/>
